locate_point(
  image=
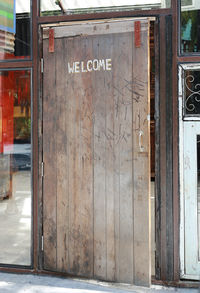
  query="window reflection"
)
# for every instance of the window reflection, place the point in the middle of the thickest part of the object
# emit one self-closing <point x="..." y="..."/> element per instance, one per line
<point x="56" y="7"/>
<point x="14" y="29"/>
<point x="190" y="26"/>
<point x="15" y="167"/>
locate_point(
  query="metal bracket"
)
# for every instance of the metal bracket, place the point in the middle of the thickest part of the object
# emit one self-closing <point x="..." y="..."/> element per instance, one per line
<point x="42" y="65"/>
<point x="42" y="243"/>
<point x="42" y="169"/>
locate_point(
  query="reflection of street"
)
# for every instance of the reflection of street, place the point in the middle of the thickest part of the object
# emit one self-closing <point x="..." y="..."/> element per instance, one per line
<point x="22" y="149"/>
<point x="4" y="176"/>
<point x="15" y="219"/>
<point x="20" y="156"/>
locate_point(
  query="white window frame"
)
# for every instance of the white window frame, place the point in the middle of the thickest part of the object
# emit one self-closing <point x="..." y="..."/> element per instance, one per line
<point x="194" y="6"/>
<point x="182" y="68"/>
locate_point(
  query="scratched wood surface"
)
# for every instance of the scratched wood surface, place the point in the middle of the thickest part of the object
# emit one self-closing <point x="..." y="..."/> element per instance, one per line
<point x="141" y="178"/>
<point x="96" y="178"/>
<point x="61" y="158"/>
<point x="49" y="157"/>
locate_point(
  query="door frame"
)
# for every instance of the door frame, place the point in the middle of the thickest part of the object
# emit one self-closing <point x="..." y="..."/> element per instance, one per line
<point x="167" y="256"/>
<point x="182" y="120"/>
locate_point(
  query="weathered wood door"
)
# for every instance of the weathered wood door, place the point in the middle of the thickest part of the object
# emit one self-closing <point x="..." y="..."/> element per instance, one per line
<point x="96" y="220"/>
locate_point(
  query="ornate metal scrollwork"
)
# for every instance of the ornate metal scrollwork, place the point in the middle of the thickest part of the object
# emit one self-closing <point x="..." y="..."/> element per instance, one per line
<point x="192" y="94"/>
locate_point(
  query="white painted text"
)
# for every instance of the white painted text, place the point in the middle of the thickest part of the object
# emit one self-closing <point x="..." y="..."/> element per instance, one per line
<point x="90" y="65"/>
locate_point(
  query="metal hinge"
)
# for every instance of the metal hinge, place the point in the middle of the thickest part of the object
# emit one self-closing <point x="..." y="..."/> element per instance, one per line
<point x="42" y="169"/>
<point x="42" y="244"/>
<point x="42" y="65"/>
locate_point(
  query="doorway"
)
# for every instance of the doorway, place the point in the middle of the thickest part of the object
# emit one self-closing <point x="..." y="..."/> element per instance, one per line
<point x="96" y="150"/>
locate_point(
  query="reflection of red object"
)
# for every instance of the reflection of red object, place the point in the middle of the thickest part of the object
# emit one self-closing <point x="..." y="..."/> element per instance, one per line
<point x="7" y="56"/>
<point x="7" y="109"/>
<point x="14" y="92"/>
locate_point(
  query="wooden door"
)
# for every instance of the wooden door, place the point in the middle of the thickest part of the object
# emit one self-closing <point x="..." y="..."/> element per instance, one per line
<point x="96" y="213"/>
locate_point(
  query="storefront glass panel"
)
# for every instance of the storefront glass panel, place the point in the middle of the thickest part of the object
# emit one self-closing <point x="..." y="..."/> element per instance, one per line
<point x="190" y="26"/>
<point x="52" y="7"/>
<point x="15" y="30"/>
<point x="15" y="167"/>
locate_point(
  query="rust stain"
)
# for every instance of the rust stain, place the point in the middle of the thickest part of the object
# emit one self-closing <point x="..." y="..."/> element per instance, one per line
<point x="137" y="26"/>
<point x="51" y="41"/>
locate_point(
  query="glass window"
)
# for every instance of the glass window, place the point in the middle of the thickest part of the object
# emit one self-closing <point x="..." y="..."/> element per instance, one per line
<point x="15" y="29"/>
<point x="191" y="93"/>
<point x="190" y="26"/>
<point x="57" y="7"/>
<point x="15" y="167"/>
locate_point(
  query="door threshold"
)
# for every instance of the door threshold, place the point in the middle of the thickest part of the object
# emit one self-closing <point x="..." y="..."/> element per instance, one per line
<point x="177" y="284"/>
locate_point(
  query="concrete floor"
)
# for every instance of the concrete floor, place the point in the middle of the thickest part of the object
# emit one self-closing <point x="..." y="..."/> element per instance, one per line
<point x="19" y="283"/>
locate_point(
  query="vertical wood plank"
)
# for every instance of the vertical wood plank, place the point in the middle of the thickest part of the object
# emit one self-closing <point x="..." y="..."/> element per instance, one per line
<point x="71" y="155"/>
<point x="61" y="158"/>
<point x="141" y="151"/>
<point x="75" y="232"/>
<point x="123" y="143"/>
<point x="86" y="158"/>
<point x="109" y="158"/>
<point x="81" y="191"/>
<point x="99" y="167"/>
<point x="49" y="153"/>
<point x="116" y="123"/>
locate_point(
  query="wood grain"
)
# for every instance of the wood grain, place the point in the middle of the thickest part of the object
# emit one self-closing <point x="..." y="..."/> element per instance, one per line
<point x="99" y="101"/>
<point x="49" y="154"/>
<point x="141" y="186"/>
<point x="96" y="183"/>
<point x="62" y="160"/>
